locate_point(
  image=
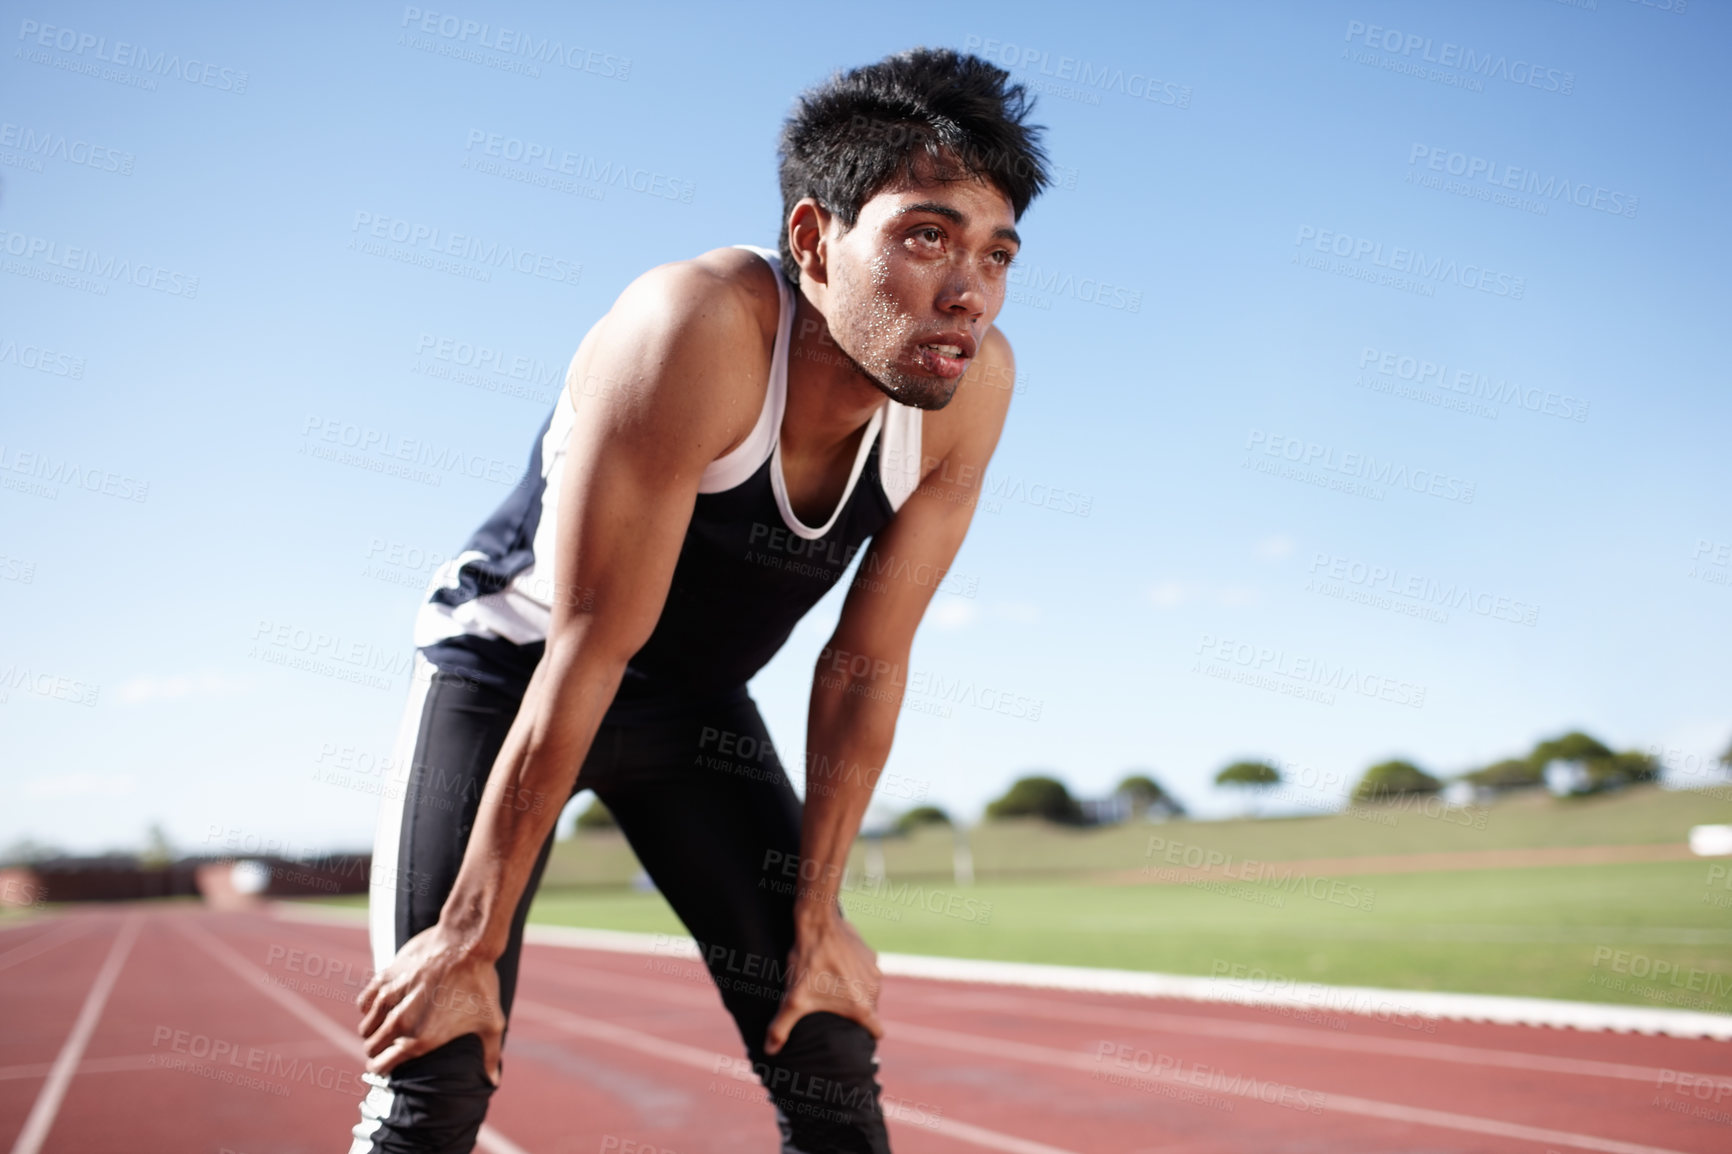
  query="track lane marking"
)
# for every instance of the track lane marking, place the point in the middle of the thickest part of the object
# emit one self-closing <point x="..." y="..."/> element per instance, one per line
<point x="345" y="1040"/>
<point x="54" y="936"/>
<point x="723" y="1065"/>
<point x="618" y="942"/>
<point x="1036" y="1054"/>
<point x="129" y="1062"/>
<point x="716" y="1063"/>
<point x="53" y="1091"/>
<point x="1301" y="1036"/>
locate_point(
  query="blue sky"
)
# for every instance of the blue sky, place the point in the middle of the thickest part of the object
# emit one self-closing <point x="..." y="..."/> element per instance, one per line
<point x="1372" y="393"/>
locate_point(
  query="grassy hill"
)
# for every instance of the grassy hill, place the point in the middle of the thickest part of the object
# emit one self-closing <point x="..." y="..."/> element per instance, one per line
<point x="1640" y="815"/>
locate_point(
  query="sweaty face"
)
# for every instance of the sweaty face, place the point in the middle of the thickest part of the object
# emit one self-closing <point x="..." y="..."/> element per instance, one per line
<point x="916" y="283"/>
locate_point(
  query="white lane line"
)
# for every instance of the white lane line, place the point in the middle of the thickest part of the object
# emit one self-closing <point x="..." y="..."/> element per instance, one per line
<point x="1310" y="996"/>
<point x="716" y="1064"/>
<point x="693" y="1056"/>
<point x="53" y="1091"/>
<point x="129" y="1062"/>
<point x="346" y="1040"/>
<point x="55" y="936"/>
<point x="1229" y="1028"/>
<point x="1244" y="1087"/>
<point x="1319" y="1039"/>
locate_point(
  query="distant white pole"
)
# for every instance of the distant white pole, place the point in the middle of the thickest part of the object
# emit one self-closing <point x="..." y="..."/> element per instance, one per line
<point x="962" y="860"/>
<point x="874" y="861"/>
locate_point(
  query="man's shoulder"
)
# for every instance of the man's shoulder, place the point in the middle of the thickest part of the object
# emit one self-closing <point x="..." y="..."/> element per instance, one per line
<point x="723" y="292"/>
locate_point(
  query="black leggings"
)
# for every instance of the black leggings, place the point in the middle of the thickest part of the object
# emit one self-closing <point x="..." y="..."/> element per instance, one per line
<point x="707" y="808"/>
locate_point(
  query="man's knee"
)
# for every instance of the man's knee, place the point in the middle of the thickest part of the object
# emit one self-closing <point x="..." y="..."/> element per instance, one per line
<point x="826" y="1072"/>
<point x="436" y="1102"/>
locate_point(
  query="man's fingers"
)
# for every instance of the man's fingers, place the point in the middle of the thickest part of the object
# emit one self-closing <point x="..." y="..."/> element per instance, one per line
<point x="364" y="999"/>
<point x="375" y="1013"/>
<point x="783" y="1024"/>
<point x="871" y="1021"/>
<point x="395" y="1054"/>
<point x="492" y="1040"/>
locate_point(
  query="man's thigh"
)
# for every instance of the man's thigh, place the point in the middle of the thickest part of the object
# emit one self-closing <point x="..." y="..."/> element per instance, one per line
<point x="713" y="820"/>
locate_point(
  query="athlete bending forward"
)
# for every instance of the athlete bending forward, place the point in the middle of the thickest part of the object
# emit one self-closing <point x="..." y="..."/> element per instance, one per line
<point x="729" y="435"/>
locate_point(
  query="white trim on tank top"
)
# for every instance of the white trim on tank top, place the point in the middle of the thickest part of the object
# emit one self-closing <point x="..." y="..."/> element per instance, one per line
<point x="899" y="455"/>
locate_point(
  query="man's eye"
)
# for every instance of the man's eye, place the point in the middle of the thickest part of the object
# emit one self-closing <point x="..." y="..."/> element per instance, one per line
<point x="930" y="234"/>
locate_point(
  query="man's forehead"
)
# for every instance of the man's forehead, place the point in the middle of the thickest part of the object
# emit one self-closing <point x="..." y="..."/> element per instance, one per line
<point x="972" y="196"/>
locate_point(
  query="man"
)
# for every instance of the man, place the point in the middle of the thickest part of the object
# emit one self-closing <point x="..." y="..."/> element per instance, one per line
<point x="729" y="435"/>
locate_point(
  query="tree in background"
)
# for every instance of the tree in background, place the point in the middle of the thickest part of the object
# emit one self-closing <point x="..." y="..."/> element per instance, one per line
<point x="1145" y="793"/>
<point x="1600" y="768"/>
<point x="921" y="815"/>
<point x="1250" y="778"/>
<point x="1037" y="796"/>
<point x="1389" y="779"/>
<point x="158" y="850"/>
<point x="1511" y="773"/>
<point x="596" y="816"/>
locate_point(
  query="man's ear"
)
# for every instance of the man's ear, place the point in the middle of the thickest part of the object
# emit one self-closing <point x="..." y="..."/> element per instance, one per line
<point x="807" y="226"/>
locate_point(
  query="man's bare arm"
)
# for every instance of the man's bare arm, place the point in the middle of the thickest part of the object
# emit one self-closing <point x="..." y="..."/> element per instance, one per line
<point x="859" y="682"/>
<point x="651" y="414"/>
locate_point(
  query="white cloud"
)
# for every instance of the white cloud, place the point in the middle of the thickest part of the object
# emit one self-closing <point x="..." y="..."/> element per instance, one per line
<point x="952" y="613"/>
<point x="142" y="689"/>
<point x="81" y="785"/>
<point x="1276" y="547"/>
<point x="1172" y="594"/>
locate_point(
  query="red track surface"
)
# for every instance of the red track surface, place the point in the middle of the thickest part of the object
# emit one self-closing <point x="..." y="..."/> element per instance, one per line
<point x="621" y="1053"/>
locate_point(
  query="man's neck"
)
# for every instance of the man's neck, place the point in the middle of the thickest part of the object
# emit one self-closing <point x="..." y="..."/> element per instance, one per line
<point x="829" y="398"/>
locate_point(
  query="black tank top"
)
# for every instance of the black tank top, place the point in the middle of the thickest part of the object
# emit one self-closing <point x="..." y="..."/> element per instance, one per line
<point x="748" y="568"/>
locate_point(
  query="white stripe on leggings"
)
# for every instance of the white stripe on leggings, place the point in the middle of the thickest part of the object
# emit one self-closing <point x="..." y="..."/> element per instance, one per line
<point x="384" y="884"/>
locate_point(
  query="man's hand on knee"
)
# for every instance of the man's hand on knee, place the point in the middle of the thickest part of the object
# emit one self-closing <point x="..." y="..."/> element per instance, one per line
<point x="433" y="991"/>
<point x="830" y="968"/>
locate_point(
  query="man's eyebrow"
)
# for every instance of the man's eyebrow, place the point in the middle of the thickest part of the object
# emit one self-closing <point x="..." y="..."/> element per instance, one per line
<point x="952" y="214"/>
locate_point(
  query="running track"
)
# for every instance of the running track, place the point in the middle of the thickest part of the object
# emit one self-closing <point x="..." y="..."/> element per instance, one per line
<point x="177" y="1029"/>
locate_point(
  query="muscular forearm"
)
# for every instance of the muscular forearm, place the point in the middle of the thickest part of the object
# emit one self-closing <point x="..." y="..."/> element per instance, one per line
<point x="528" y="786"/>
<point x="850" y="727"/>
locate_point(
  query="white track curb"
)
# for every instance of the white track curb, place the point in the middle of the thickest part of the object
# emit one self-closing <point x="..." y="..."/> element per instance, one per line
<point x="1365" y="1000"/>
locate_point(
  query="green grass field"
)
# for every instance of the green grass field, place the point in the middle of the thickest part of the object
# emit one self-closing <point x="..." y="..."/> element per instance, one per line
<point x="1574" y="932"/>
